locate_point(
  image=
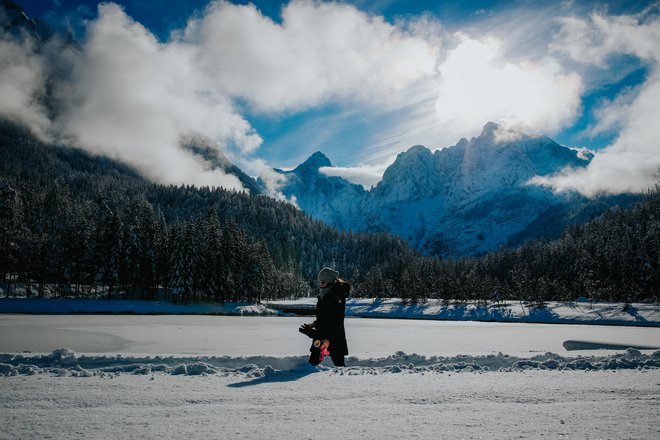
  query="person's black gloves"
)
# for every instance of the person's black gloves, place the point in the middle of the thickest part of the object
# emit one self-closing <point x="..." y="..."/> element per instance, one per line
<point x="307" y="329"/>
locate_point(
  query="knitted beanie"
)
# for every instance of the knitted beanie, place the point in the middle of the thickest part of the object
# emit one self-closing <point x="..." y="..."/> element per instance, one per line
<point x="327" y="275"/>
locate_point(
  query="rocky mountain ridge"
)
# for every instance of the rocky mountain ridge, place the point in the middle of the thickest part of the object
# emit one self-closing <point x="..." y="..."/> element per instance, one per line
<point x="466" y="199"/>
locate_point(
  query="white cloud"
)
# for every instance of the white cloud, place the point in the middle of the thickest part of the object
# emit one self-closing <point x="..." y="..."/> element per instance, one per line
<point x="477" y="86"/>
<point x="365" y="175"/>
<point x="499" y="71"/>
<point x="504" y="135"/>
<point x="612" y="115"/>
<point x="567" y="4"/>
<point x="632" y="162"/>
<point x="22" y="82"/>
<point x="136" y="99"/>
<point x="594" y="39"/>
<point x="320" y="52"/>
<point x="273" y="181"/>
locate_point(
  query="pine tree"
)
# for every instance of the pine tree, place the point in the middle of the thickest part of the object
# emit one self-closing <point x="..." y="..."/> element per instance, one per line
<point x="216" y="259"/>
<point x="163" y="250"/>
<point x="107" y="248"/>
<point x="181" y="279"/>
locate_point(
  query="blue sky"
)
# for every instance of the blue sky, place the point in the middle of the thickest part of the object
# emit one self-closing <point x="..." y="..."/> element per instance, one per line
<point x="364" y="80"/>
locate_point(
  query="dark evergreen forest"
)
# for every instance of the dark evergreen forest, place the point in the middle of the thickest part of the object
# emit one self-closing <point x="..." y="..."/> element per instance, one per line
<point x="75" y="225"/>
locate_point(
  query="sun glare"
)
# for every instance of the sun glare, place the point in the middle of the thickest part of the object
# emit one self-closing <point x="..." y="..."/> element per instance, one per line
<point x="475" y="86"/>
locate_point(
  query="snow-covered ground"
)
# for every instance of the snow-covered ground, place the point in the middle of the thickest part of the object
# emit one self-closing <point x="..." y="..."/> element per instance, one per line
<point x="185" y="376"/>
<point x="332" y="405"/>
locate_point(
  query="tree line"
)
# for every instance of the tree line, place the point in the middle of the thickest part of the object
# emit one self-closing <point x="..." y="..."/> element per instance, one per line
<point x="87" y="249"/>
<point x="91" y="248"/>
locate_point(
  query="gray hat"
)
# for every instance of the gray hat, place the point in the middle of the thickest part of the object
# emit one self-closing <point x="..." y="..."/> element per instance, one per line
<point x="327" y="275"/>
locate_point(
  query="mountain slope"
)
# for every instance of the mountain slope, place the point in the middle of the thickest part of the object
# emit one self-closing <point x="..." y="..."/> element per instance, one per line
<point x="217" y="160"/>
<point x="327" y="198"/>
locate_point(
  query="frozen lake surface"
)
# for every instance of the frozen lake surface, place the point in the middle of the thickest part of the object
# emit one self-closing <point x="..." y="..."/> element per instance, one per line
<point x="279" y="336"/>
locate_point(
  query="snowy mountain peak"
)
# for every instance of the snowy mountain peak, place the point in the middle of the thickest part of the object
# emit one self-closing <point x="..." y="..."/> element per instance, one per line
<point x="413" y="176"/>
<point x="419" y="150"/>
<point x="495" y="135"/>
<point x="410" y="160"/>
<point x="462" y="143"/>
<point x="314" y="162"/>
<point x="330" y="198"/>
<point x="489" y="130"/>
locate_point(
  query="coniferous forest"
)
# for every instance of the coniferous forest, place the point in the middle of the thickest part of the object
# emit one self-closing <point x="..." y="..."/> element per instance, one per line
<point x="74" y="225"/>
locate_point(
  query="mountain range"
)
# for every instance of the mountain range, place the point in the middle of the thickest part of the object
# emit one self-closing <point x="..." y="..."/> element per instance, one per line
<point x="463" y="200"/>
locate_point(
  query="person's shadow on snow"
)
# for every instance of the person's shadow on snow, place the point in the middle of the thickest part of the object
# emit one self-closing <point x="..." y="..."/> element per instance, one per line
<point x="271" y="375"/>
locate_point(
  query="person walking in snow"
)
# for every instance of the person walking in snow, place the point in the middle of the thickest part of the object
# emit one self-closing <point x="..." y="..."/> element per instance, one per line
<point x="328" y="328"/>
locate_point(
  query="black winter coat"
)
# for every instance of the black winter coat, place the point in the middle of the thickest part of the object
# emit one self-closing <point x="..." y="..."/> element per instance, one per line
<point x="330" y="311"/>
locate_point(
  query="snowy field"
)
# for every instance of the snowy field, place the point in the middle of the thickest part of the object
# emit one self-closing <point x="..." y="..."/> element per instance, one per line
<point x="331" y="405"/>
<point x="246" y="378"/>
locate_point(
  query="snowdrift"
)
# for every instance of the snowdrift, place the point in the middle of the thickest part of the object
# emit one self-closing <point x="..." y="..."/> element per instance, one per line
<point x="65" y="362"/>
